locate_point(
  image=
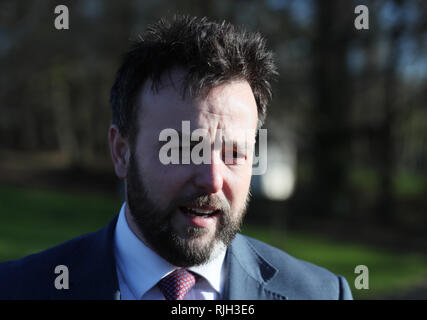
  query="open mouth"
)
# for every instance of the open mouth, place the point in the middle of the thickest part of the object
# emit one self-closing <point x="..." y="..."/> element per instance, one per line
<point x="199" y="212"/>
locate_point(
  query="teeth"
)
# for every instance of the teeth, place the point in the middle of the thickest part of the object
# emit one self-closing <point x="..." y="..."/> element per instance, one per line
<point x="201" y="211"/>
<point x="198" y="211"/>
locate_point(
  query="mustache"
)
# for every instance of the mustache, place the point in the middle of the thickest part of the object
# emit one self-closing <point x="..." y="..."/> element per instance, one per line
<point x="208" y="200"/>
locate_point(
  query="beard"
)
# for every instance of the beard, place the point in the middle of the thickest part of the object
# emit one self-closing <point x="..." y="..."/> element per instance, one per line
<point x="188" y="247"/>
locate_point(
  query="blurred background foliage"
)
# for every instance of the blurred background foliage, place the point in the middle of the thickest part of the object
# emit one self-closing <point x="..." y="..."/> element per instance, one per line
<point x="346" y="129"/>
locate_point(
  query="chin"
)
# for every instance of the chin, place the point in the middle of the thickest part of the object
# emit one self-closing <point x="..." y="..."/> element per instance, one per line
<point x="199" y="237"/>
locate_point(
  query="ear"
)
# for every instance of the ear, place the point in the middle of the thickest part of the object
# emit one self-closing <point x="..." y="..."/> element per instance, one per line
<point x="119" y="150"/>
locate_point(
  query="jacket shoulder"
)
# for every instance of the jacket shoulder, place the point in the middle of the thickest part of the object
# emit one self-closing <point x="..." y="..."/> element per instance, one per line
<point x="33" y="276"/>
<point x="308" y="281"/>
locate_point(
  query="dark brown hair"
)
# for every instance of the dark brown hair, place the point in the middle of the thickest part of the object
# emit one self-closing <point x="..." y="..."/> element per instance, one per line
<point x="211" y="53"/>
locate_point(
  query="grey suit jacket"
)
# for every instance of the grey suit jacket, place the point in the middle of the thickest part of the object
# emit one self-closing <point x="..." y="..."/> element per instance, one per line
<point x="255" y="271"/>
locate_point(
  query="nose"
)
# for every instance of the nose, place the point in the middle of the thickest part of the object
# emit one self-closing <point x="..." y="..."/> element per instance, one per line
<point x="209" y="177"/>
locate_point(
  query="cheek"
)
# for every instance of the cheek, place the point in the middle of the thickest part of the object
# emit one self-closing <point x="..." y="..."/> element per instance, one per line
<point x="238" y="187"/>
<point x="165" y="182"/>
<point x="153" y="175"/>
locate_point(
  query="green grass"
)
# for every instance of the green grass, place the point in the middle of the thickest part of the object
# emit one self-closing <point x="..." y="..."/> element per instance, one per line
<point x="389" y="272"/>
<point x="405" y="184"/>
<point x="33" y="220"/>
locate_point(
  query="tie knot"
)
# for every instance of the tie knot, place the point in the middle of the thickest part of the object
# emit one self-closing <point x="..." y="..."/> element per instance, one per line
<point x="177" y="284"/>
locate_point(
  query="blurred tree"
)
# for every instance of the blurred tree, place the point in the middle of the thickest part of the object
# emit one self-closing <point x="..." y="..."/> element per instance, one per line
<point x="352" y="102"/>
<point x="331" y="106"/>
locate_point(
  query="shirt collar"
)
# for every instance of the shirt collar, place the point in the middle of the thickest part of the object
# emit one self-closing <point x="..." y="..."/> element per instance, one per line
<point x="142" y="268"/>
<point x="211" y="270"/>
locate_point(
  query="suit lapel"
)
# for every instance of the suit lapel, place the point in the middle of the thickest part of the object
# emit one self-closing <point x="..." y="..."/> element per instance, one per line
<point x="102" y="277"/>
<point x="248" y="273"/>
<point x="92" y="268"/>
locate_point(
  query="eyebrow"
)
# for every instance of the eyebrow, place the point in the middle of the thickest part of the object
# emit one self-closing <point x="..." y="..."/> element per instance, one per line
<point x="180" y="137"/>
<point x="239" y="144"/>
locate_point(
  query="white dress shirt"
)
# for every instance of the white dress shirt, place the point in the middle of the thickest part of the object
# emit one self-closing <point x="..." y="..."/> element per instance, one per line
<point x="139" y="269"/>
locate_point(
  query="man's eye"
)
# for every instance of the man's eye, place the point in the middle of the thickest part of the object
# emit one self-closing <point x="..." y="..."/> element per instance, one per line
<point x="232" y="156"/>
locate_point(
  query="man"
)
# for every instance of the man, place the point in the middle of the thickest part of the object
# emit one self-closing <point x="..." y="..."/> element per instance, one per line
<point x="176" y="234"/>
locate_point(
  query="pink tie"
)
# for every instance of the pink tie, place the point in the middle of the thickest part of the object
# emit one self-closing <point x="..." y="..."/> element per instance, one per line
<point x="177" y="284"/>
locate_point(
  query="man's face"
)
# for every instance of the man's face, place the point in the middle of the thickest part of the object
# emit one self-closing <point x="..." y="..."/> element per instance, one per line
<point x="187" y="211"/>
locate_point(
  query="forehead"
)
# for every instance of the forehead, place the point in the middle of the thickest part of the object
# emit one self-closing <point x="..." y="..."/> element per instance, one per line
<point x="227" y="106"/>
